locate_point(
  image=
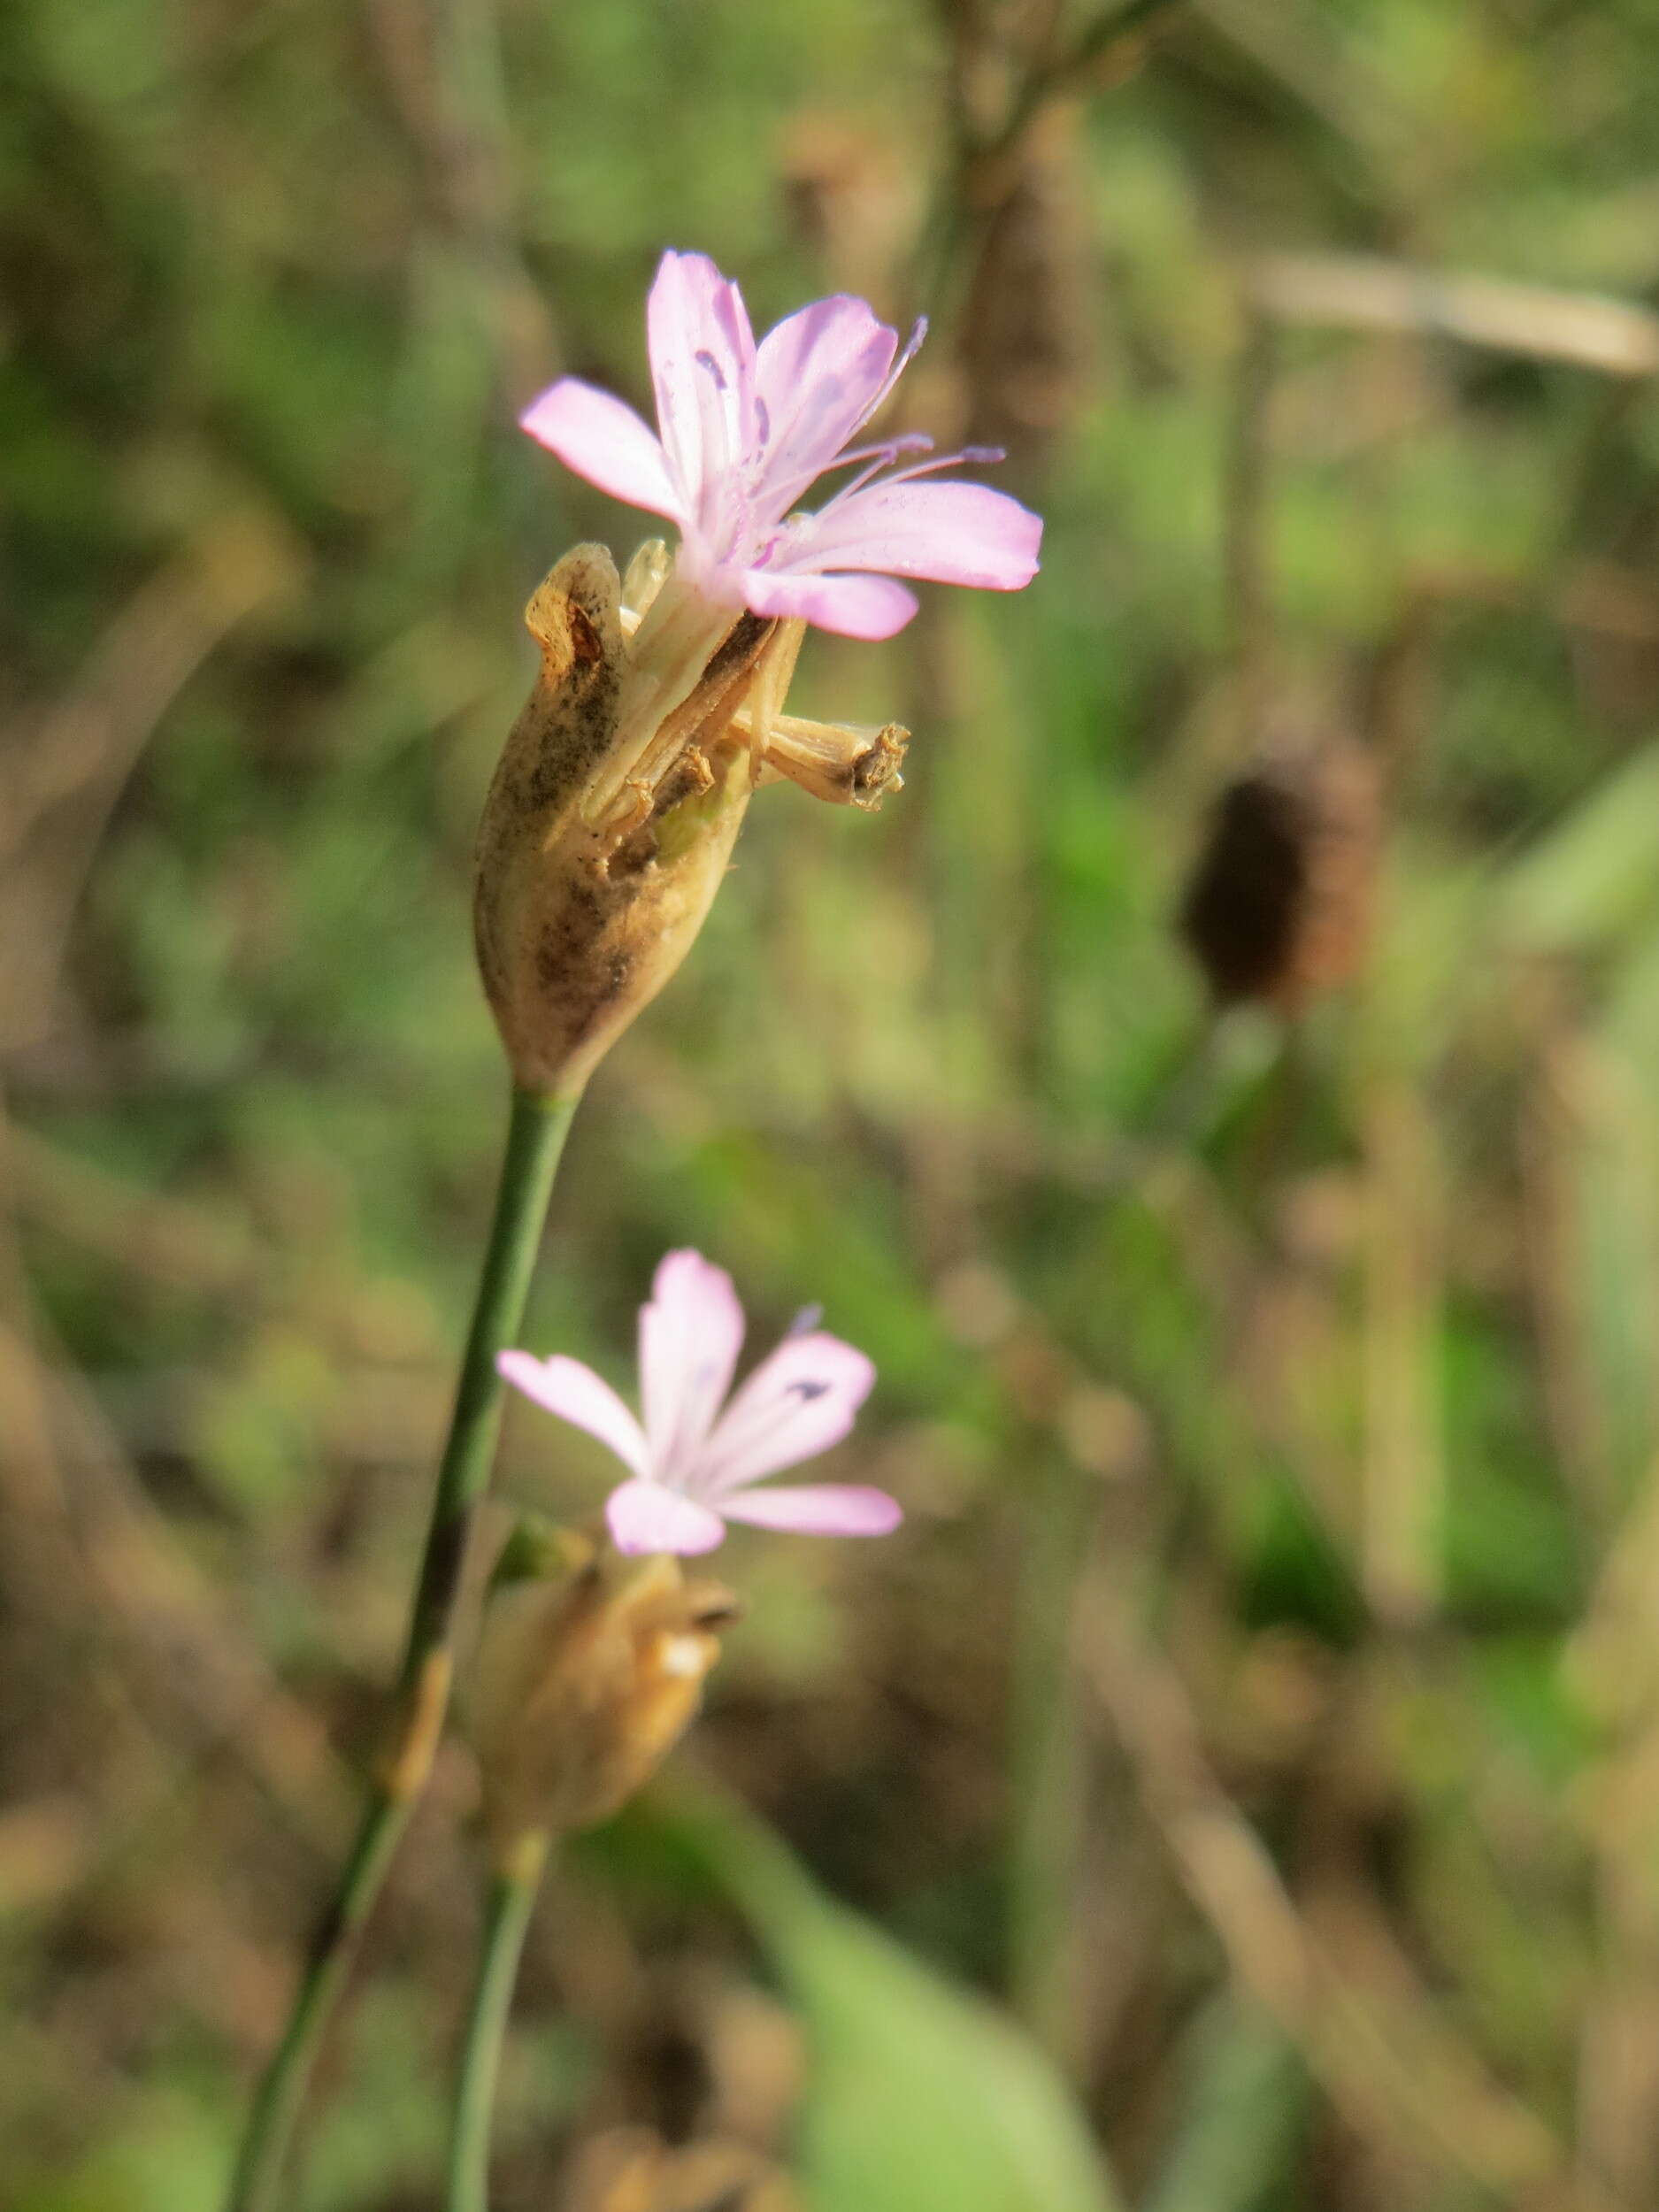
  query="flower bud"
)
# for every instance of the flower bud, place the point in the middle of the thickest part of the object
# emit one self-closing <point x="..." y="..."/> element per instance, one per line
<point x="612" y="816"/>
<point x="587" y="1677"/>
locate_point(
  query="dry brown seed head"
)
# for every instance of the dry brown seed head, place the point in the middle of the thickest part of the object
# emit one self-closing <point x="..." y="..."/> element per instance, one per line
<point x="1279" y="908"/>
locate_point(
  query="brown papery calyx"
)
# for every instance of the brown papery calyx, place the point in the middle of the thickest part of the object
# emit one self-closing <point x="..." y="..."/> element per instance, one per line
<point x="585" y="1679"/>
<point x="619" y="795"/>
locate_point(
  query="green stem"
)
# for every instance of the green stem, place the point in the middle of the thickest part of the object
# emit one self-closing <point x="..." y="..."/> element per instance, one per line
<point x="535" y="1137"/>
<point x="282" y="2087"/>
<point x="506" y="1918"/>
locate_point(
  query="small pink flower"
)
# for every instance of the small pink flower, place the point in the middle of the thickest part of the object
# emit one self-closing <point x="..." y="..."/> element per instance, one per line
<point x="746" y="429"/>
<point x="694" y="1466"/>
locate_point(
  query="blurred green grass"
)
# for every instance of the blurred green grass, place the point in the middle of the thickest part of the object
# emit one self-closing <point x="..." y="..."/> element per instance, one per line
<point x="1336" y="1340"/>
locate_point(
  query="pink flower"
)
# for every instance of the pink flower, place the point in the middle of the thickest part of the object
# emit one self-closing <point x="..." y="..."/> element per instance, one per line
<point x="694" y="1466"/>
<point x="746" y="429"/>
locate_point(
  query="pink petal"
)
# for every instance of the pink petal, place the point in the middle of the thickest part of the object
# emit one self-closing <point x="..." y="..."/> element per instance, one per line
<point x="870" y="607"/>
<point x="703" y="366"/>
<point x="646" y="1516"/>
<point x="820" y="1508"/>
<point x="604" y="441"/>
<point x="577" y="1395"/>
<point x="795" y="1404"/>
<point x="690" y="1335"/>
<point x="817" y="374"/>
<point x="956" y="533"/>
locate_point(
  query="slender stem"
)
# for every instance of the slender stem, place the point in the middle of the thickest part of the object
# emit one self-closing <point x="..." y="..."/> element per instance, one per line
<point x="506" y="1918"/>
<point x="1046" y="1835"/>
<point x="535" y="1137"/>
<point x="281" y="2089"/>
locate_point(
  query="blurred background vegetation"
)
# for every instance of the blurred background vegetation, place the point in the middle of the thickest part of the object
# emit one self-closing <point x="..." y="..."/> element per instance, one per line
<point x="1259" y="1709"/>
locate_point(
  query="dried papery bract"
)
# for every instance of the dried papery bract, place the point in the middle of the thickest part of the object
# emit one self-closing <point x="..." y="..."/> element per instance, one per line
<point x="591" y="885"/>
<point x="844" y="764"/>
<point x="1278" y="908"/>
<point x="621" y="790"/>
<point x="587" y="1677"/>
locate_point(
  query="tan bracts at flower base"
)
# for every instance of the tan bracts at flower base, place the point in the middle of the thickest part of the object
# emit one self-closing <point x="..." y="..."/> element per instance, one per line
<point x="589" y="1669"/>
<point x="584" y="909"/>
<point x="617" y="801"/>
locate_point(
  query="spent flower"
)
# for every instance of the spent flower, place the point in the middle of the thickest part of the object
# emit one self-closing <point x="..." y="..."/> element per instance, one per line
<point x="696" y="1458"/>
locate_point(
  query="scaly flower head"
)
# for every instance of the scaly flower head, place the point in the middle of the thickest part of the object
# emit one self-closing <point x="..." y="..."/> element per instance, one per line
<point x="692" y="1466"/>
<point x="745" y="430"/>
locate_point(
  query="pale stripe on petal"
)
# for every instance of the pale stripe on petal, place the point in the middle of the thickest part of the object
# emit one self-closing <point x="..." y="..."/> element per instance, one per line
<point x="690" y="1335"/>
<point x="796" y="1404"/>
<point x="817" y="374"/>
<point x="695" y="317"/>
